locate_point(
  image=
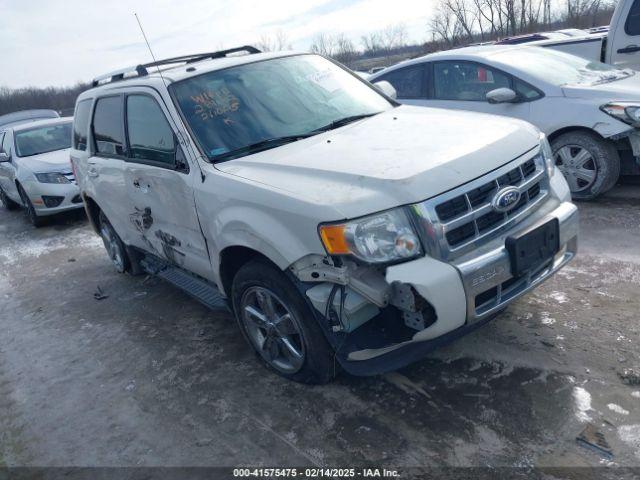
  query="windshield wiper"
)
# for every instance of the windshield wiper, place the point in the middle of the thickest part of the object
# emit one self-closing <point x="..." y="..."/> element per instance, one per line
<point x="260" y="146"/>
<point x="341" y="122"/>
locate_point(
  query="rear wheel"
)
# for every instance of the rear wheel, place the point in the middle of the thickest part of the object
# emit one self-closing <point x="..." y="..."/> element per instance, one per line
<point x="33" y="217"/>
<point x="7" y="202"/>
<point x="114" y="246"/>
<point x="278" y="324"/>
<point x="590" y="164"/>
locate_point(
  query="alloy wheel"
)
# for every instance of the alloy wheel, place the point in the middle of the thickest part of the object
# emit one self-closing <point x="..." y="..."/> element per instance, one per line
<point x="273" y="329"/>
<point x="113" y="247"/>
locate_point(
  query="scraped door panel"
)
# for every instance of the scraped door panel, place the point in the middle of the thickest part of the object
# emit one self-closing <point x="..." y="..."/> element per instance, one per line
<point x="163" y="213"/>
<point x="161" y="203"/>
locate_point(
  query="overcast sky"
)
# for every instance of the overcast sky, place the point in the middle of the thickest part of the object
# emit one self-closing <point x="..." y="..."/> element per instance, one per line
<point x="61" y="42"/>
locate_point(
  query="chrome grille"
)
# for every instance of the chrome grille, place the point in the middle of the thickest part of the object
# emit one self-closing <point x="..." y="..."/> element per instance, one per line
<point x="465" y="216"/>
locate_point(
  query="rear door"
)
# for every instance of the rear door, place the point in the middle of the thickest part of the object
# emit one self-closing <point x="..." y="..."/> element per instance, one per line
<point x="624" y="36"/>
<point x="463" y="85"/>
<point x="159" y="181"/>
<point x="105" y="164"/>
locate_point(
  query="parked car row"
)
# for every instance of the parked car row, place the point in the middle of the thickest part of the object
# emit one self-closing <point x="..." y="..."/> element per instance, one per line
<point x="589" y="111"/>
<point x="616" y="44"/>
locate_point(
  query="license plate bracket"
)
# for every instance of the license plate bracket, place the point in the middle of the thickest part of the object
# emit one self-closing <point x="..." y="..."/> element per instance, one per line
<point x="533" y="248"/>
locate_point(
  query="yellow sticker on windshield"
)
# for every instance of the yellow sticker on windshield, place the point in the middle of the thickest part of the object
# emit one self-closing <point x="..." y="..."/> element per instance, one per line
<point x="211" y="104"/>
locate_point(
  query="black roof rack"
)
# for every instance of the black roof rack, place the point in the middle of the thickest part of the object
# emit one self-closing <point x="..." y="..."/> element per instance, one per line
<point x="142" y="70"/>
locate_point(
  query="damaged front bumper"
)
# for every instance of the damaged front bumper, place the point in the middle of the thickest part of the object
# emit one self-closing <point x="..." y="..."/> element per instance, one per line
<point x="465" y="294"/>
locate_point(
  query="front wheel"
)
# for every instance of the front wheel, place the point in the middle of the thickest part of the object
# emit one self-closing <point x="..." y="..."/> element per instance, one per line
<point x="7" y="202"/>
<point x="32" y="215"/>
<point x="590" y="164"/>
<point x="279" y="325"/>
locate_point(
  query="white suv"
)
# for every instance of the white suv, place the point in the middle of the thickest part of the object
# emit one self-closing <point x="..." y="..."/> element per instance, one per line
<point x="340" y="228"/>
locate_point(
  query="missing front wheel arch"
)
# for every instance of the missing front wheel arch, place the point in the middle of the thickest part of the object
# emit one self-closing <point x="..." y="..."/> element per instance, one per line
<point x="417" y="312"/>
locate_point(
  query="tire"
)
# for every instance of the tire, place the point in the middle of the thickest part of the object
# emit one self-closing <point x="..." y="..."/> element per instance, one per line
<point x="7" y="202"/>
<point x="114" y="246"/>
<point x="32" y="215"/>
<point x="289" y="328"/>
<point x="590" y="164"/>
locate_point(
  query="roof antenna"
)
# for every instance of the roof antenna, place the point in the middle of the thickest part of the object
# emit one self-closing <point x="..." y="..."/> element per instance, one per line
<point x="150" y="51"/>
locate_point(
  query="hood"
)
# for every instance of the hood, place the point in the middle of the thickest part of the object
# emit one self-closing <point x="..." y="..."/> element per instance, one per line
<point x="401" y="156"/>
<point x="57" y="161"/>
<point x="617" y="90"/>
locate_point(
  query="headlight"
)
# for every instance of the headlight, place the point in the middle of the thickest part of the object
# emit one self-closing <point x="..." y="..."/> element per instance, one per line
<point x="52" y="178"/>
<point x="625" y="111"/>
<point x="547" y="155"/>
<point x="381" y="238"/>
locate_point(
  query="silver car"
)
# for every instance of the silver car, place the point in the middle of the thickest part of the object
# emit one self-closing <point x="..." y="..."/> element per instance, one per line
<point x="35" y="170"/>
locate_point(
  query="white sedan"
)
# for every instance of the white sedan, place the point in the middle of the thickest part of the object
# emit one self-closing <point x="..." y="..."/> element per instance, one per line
<point x="590" y="111"/>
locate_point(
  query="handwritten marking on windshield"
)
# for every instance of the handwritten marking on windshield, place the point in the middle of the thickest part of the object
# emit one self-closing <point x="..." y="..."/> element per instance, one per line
<point x="211" y="104"/>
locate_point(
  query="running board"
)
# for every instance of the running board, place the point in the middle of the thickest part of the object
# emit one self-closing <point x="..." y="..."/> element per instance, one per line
<point x="195" y="286"/>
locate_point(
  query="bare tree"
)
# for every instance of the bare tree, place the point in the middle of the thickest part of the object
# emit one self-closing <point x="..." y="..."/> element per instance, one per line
<point x="445" y="26"/>
<point x="394" y="36"/>
<point x="345" y="50"/>
<point x="457" y="21"/>
<point x="324" y="44"/>
<point x="60" y="99"/>
<point x="274" y="42"/>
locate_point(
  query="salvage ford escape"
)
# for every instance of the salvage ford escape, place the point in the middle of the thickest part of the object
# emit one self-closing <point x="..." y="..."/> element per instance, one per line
<point x="340" y="227"/>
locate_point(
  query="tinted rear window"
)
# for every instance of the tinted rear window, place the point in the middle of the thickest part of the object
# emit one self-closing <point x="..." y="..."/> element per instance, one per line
<point x="108" y="132"/>
<point x="632" y="26"/>
<point x="81" y="125"/>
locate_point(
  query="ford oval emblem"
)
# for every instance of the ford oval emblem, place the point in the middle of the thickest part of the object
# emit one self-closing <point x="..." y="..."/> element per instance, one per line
<point x="505" y="199"/>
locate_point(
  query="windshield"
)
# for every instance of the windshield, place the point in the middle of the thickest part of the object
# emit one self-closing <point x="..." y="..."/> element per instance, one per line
<point x="43" y="139"/>
<point x="560" y="68"/>
<point x="268" y="103"/>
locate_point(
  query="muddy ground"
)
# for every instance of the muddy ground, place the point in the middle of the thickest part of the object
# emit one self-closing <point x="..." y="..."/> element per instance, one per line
<point x="150" y="377"/>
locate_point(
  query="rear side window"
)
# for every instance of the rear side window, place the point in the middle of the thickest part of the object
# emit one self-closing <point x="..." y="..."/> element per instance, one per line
<point x="466" y="81"/>
<point x="408" y="82"/>
<point x="81" y="125"/>
<point x="108" y="131"/>
<point x="632" y="26"/>
<point x="150" y="136"/>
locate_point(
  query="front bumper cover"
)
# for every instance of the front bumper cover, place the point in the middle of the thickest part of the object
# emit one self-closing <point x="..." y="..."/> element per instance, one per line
<point x="490" y="270"/>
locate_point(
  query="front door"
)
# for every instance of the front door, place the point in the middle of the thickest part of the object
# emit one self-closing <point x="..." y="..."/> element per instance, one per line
<point x="159" y="180"/>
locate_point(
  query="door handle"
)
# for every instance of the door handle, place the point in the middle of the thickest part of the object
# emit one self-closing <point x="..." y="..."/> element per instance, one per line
<point x="629" y="49"/>
<point x="92" y="172"/>
<point x="136" y="183"/>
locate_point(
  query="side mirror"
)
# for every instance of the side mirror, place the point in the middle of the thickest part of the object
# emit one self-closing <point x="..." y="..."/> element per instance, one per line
<point x="180" y="160"/>
<point x="4" y="157"/>
<point x="502" y="95"/>
<point x="386" y="88"/>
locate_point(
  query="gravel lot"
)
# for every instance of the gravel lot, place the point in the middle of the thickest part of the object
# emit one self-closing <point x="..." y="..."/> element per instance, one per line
<point x="150" y="377"/>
